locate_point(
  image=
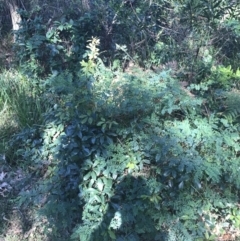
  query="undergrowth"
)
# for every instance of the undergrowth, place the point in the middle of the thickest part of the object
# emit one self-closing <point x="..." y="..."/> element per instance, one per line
<point x="126" y="156"/>
<point x="127" y="136"/>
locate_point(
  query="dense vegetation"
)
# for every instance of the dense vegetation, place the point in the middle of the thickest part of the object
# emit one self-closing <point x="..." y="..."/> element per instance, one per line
<point x="120" y="120"/>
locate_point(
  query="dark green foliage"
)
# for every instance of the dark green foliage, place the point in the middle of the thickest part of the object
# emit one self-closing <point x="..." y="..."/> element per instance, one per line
<point x="232" y="108"/>
<point x="155" y="32"/>
<point x="129" y="156"/>
<point x="56" y="48"/>
<point x="229" y="41"/>
<point x="133" y="154"/>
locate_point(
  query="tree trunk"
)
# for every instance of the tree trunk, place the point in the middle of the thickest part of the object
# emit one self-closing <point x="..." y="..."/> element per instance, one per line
<point x="15" y="16"/>
<point x="86" y="5"/>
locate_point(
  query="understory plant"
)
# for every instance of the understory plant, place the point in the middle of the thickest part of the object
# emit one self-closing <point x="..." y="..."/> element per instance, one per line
<point x="129" y="135"/>
<point x="23" y="99"/>
<point x="129" y="156"/>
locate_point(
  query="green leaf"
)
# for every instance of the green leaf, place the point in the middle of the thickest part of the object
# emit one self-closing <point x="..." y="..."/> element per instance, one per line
<point x="112" y="234"/>
<point x="49" y="34"/>
<point x="94" y="176"/>
<point x="167" y="173"/>
<point x="83" y="121"/>
<point x="97" y="198"/>
<point x="61" y="27"/>
<point x="90" y="120"/>
<point x="157" y="158"/>
<point x="181" y="185"/>
<point x="131" y="165"/>
<point x="87" y="176"/>
<point x="100" y="185"/>
<point x="184" y="217"/>
<point x="197" y="184"/>
<point x="107" y="182"/>
<point x="146" y="161"/>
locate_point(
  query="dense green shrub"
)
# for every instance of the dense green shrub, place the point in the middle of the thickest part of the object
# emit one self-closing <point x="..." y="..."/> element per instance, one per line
<point x="118" y="152"/>
<point x="155" y="33"/>
<point x="130" y="156"/>
<point x="229" y="41"/>
<point x="43" y="50"/>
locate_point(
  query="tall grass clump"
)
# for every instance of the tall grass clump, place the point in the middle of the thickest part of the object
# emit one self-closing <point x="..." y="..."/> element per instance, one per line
<point x="20" y="100"/>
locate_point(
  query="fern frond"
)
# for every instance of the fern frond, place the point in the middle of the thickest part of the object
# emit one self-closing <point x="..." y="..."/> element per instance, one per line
<point x="233" y="105"/>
